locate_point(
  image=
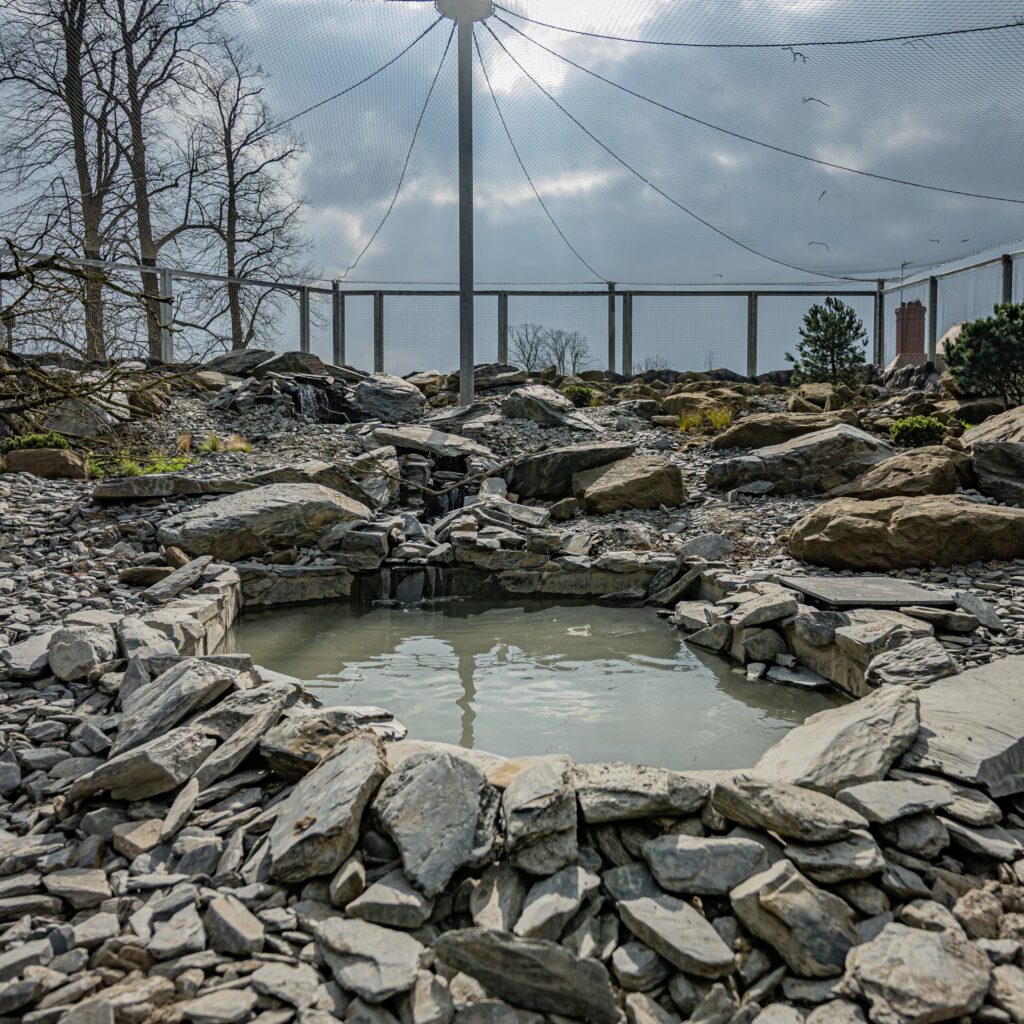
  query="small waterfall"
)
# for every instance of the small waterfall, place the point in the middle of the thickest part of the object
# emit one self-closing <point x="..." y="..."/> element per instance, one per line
<point x="307" y="402"/>
<point x="385" y="584"/>
<point x="410" y="587"/>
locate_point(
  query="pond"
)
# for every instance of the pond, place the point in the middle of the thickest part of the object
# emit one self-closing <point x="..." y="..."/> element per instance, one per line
<point x="532" y="677"/>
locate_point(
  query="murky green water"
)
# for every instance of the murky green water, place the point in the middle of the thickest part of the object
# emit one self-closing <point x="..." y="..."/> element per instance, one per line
<point x="595" y="682"/>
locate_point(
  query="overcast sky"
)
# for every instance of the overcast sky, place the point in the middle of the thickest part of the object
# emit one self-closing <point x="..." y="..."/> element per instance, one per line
<point x="942" y="111"/>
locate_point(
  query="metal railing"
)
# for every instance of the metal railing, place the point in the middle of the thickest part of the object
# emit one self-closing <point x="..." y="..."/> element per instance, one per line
<point x="741" y="313"/>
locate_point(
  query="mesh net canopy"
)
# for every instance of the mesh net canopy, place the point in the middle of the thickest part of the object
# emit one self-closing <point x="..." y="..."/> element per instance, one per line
<point x="642" y="141"/>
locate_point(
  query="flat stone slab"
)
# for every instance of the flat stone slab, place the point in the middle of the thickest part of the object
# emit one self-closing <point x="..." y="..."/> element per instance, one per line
<point x="867" y="592"/>
<point x="972" y="727"/>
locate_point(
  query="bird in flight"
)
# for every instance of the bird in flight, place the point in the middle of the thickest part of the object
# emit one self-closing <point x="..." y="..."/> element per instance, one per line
<point x="822" y="196"/>
<point x="814" y="99"/>
<point x="825" y="244"/>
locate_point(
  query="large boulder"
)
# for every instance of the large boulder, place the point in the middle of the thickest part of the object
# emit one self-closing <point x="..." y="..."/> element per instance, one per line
<point x="767" y="428"/>
<point x="383" y="397"/>
<point x="1007" y="426"/>
<point x="641" y="482"/>
<point x="972" y="728"/>
<point x="811" y="462"/>
<point x="247" y="523"/>
<point x="912" y="975"/>
<point x="932" y="470"/>
<point x="47" y="463"/>
<point x="240" y="363"/>
<point x="999" y="467"/>
<point x="545" y="405"/>
<point x="894" y="533"/>
<point x="548" y="474"/>
<point x="487" y="376"/>
<point x="845" y="746"/>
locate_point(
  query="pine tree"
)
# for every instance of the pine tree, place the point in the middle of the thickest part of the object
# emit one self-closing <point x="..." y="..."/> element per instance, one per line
<point x="832" y="344"/>
<point x="988" y="356"/>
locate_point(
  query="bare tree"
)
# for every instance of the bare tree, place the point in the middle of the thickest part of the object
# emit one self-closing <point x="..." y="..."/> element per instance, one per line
<point x="529" y="346"/>
<point x="158" y="44"/>
<point x="568" y="351"/>
<point x="245" y="199"/>
<point x="58" y="122"/>
<point x="655" y="363"/>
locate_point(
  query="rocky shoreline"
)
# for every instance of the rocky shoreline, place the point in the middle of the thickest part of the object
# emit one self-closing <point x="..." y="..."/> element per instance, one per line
<point x="186" y="836"/>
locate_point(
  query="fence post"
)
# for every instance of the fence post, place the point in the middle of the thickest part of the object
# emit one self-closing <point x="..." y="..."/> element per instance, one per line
<point x="337" y="325"/>
<point x="303" y="318"/>
<point x="502" y="327"/>
<point x="933" y="317"/>
<point x="627" y="333"/>
<point x="1007" y="279"/>
<point x="880" y="324"/>
<point x="378" y="332"/>
<point x="751" y="334"/>
<point x="611" y="326"/>
<point x="166" y="286"/>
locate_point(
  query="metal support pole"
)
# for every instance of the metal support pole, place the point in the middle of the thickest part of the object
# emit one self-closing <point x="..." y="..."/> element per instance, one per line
<point x="933" y="317"/>
<point x="166" y="286"/>
<point x="627" y="333"/>
<point x="611" y="326"/>
<point x="466" y="282"/>
<point x="337" y="325"/>
<point x="304" y="319"/>
<point x="378" y="332"/>
<point x="502" y="327"/>
<point x="751" y="334"/>
<point x="880" y="324"/>
<point x="1007" y="289"/>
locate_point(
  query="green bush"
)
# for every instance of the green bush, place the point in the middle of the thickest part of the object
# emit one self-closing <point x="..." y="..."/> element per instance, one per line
<point x="17" y="443"/>
<point x="580" y="396"/>
<point x="988" y="356"/>
<point x="916" y="431"/>
<point x="832" y="344"/>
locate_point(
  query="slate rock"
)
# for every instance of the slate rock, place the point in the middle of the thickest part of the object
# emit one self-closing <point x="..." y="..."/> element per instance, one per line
<point x="679" y="933"/>
<point x="393" y="902"/>
<point x="702" y="866"/>
<point x="845" y="746"/>
<point x="811" y="929"/>
<point x="152" y="768"/>
<point x="318" y="824"/>
<point x="914" y="663"/>
<point x="531" y="973"/>
<point x="791" y="811"/>
<point x="552" y="902"/>
<point x="375" y="963"/>
<point x="882" y="802"/>
<point x="231" y="928"/>
<point x="81" y="652"/>
<point x="430" y="806"/>
<point x="855" y="856"/>
<point x="614" y="791"/>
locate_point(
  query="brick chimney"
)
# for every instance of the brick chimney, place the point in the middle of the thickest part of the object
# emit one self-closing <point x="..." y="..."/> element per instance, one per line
<point x="910" y="319"/>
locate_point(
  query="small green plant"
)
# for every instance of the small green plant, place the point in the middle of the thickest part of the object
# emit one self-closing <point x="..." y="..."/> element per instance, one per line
<point x="832" y="345"/>
<point x="708" y="421"/>
<point x="22" y="441"/>
<point x="580" y="396"/>
<point x="212" y="444"/>
<point x="167" y="463"/>
<point x="988" y="356"/>
<point x="690" y="422"/>
<point x="718" y="418"/>
<point x="916" y="431"/>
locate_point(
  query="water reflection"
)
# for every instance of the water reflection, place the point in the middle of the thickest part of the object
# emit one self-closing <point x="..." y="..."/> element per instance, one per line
<point x="527" y="677"/>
